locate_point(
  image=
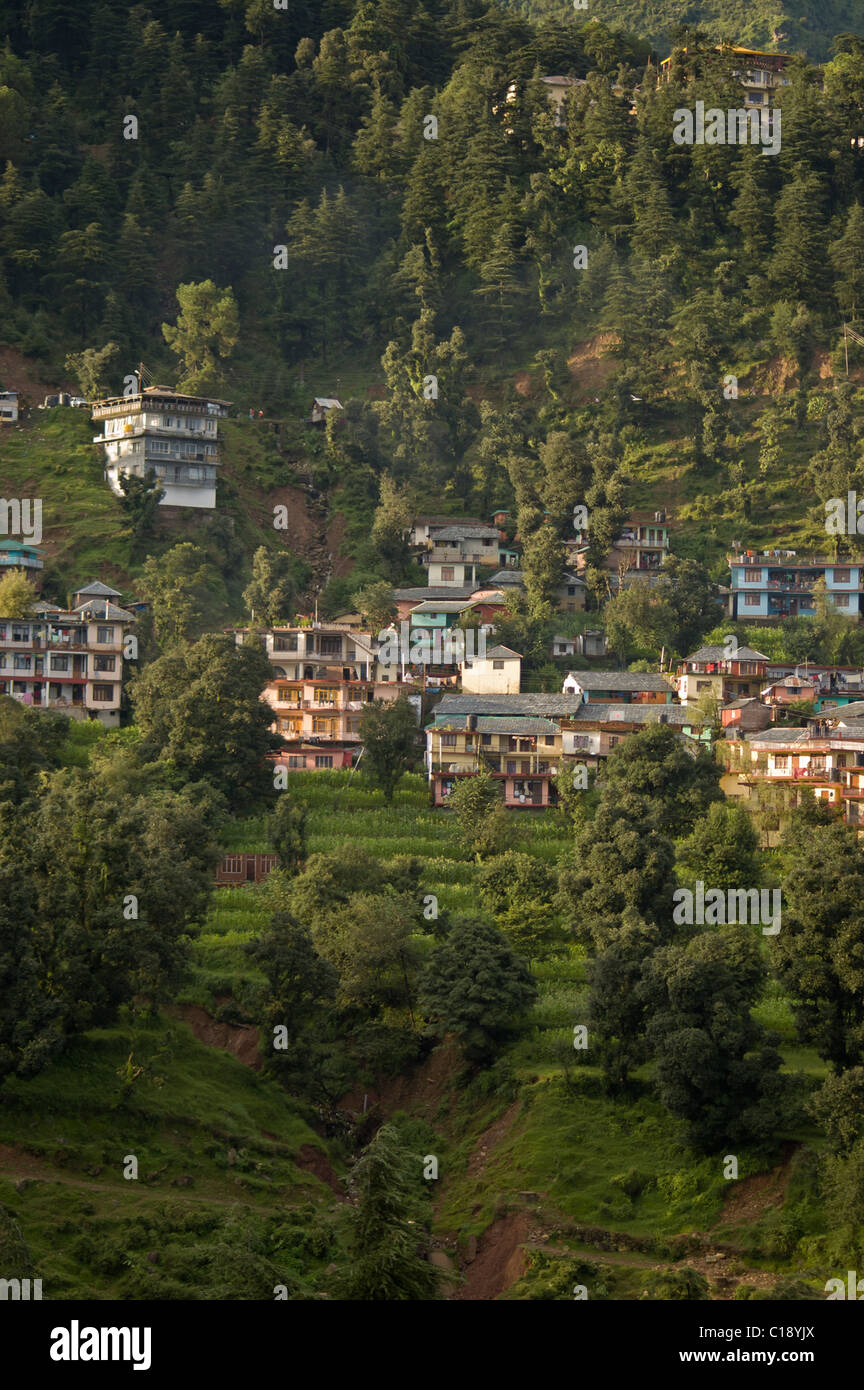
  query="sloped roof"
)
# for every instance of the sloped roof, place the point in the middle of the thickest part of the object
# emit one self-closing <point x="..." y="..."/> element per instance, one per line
<point x="98" y="590"/>
<point x="640" y="714"/>
<point x="854" y="710"/>
<point x="513" y="576"/>
<point x="521" y="704"/>
<point x="101" y="608"/>
<point x="618" y="680"/>
<point x="460" y="532"/>
<point x="499" y="652"/>
<point x="440" y="605"/>
<point x="433" y="591"/>
<point x="501" y="724"/>
<point x="329" y="402"/>
<point x="720" y="654"/>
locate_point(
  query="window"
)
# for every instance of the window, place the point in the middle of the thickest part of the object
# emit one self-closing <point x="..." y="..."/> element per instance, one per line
<point x="103" y="693"/>
<point x="841" y="600"/>
<point x="353" y="725"/>
<point x="285" y="641"/>
<point x="287" y="695"/>
<point x="486" y="739"/>
<point x="448" y="740"/>
<point x="324" y="760"/>
<point x="322" y="726"/>
<point x="330" y="646"/>
<point x="752" y="576"/>
<point x="59" y="663"/>
<point x="549" y="738"/>
<point x="571" y="590"/>
<point x="296" y="760"/>
<point x="447" y="572"/>
<point x="841" y="576"/>
<point x="751" y="600"/>
<point x="613" y="740"/>
<point x="781" y="762"/>
<point x="20" y="632"/>
<point x="102" y="663"/>
<point x="232" y="864"/>
<point x="497" y="665"/>
<point x="104" y="635"/>
<point x="22" y="663"/>
<point x="326" y="695"/>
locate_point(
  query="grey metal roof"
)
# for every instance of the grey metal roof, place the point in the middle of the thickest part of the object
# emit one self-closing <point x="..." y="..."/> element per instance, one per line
<point x="640" y="714"/>
<point x="465" y="533"/>
<point x="506" y="576"/>
<point x="500" y="651"/>
<point x="440" y="605"/>
<point x="98" y="590"/>
<point x="436" y="591"/>
<point x="720" y="654"/>
<point x="745" y="700"/>
<point x="522" y="704"/>
<point x="854" y="710"/>
<point x="101" y="608"/>
<point x="619" y="680"/>
<point x="499" y="724"/>
<point x="784" y="736"/>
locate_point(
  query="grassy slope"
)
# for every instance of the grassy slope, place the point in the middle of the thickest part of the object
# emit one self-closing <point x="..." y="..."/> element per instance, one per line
<point x="556" y="1135"/>
<point x="51" y="456"/>
<point x="569" y="1142"/>
<point x="193" y="1112"/>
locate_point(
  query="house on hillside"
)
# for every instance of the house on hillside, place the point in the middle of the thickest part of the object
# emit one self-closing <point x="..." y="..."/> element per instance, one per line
<point x="595" y="729"/>
<point x="425" y="526"/>
<point x="745" y="716"/>
<point x="174" y="435"/>
<point x="710" y="670"/>
<point x="8" y="407"/>
<point x="637" y="552"/>
<point x="323" y="675"/>
<point x="769" y="586"/>
<point x="618" y="687"/>
<point x="21" y="555"/>
<point x="321" y="408"/>
<point x="498" y="672"/>
<point x="70" y="661"/>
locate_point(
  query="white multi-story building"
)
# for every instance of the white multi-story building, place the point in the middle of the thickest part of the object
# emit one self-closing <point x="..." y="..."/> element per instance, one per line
<point x="176" y="436"/>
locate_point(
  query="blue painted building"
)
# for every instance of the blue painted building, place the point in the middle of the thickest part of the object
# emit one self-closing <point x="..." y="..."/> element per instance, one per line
<point x="769" y="586"/>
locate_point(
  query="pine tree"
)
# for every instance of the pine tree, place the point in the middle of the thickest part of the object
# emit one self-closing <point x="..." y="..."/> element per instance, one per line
<point x="388" y="1224"/>
<point x="847" y="258"/>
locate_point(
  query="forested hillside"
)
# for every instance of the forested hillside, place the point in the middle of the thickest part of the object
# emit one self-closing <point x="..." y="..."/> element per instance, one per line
<point x="365" y="1073"/>
<point x="297" y="139"/>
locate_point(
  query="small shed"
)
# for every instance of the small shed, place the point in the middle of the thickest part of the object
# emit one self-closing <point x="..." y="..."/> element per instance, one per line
<point x="321" y="407"/>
